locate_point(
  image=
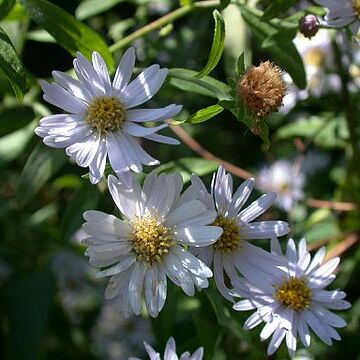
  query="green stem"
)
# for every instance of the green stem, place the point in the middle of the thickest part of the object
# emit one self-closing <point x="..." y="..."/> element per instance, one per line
<point x="166" y="19"/>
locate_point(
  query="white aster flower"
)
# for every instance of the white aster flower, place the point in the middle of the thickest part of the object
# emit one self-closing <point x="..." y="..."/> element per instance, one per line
<point x="295" y="300"/>
<point x="100" y="119"/>
<point x="233" y="253"/>
<point x="170" y="352"/>
<point x="148" y="244"/>
<point x="281" y="178"/>
<point x="342" y="13"/>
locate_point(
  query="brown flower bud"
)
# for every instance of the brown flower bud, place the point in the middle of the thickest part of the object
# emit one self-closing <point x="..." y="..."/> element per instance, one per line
<point x="262" y="88"/>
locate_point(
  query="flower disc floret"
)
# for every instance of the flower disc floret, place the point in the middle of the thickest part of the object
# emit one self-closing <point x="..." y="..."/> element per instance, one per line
<point x="106" y="114"/>
<point x="294" y="293"/>
<point x="151" y="240"/>
<point x="229" y="241"/>
<point x="356" y="7"/>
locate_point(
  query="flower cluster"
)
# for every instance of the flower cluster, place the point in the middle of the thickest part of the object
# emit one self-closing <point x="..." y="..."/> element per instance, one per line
<point x="187" y="237"/>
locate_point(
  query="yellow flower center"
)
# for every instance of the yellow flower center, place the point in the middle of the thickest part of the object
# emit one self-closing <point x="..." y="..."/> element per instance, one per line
<point x="106" y="114"/>
<point x="294" y="293"/>
<point x="284" y="187"/>
<point x="151" y="240"/>
<point x="315" y="57"/>
<point x="356" y="7"/>
<point x="229" y="241"/>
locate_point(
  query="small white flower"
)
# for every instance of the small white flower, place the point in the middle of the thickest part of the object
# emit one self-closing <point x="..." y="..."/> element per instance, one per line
<point x="148" y="244"/>
<point x="281" y="178"/>
<point x="295" y="300"/>
<point x="342" y="13"/>
<point x="170" y="352"/>
<point x="233" y="253"/>
<point x="100" y="119"/>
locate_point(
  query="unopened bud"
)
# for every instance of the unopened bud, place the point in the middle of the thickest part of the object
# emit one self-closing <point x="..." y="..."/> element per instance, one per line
<point x="262" y="88"/>
<point x="309" y="25"/>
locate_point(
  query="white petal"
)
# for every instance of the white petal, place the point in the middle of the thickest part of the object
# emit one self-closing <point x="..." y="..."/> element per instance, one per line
<point x="317" y="327"/>
<point x="125" y="69"/>
<point x="144" y="87"/>
<point x="185" y="212"/>
<point x="270" y="327"/>
<point x="257" y="208"/>
<point x="191" y="263"/>
<point x="102" y="70"/>
<point x="136" y="287"/>
<point x="143" y="115"/>
<point x="73" y="86"/>
<point x="198" y="235"/>
<point x="121" y="266"/>
<point x="317" y="260"/>
<point x="140" y="131"/>
<point x="88" y="76"/>
<point x="240" y="197"/>
<point x="244" y="305"/>
<point x="264" y="230"/>
<point x="176" y="272"/>
<point x="162" y="139"/>
<point x="276" y="340"/>
<point x="128" y="200"/>
<point x="170" y="350"/>
<point x="98" y="164"/>
<point x="275" y="246"/>
<point x="58" y="96"/>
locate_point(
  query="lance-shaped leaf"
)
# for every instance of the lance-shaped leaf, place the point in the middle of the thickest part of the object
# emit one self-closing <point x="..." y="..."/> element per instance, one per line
<point x="205" y="114"/>
<point x="217" y="47"/>
<point x="42" y="163"/>
<point x="10" y="65"/>
<point x="5" y="7"/>
<point x="70" y="33"/>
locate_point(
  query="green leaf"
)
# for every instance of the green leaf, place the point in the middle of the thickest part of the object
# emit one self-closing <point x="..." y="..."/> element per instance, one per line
<point x="326" y="131"/>
<point x="84" y="198"/>
<point x="286" y="55"/>
<point x="240" y="65"/>
<point x="5" y="7"/>
<point x="217" y="47"/>
<point x="90" y="8"/>
<point x="280" y="38"/>
<point x="224" y="4"/>
<point x="205" y="114"/>
<point x="42" y="163"/>
<point x="276" y="8"/>
<point x="70" y="33"/>
<point x="186" y="80"/>
<point x="15" y="118"/>
<point x="10" y="65"/>
<point x="28" y="298"/>
<point x="188" y="166"/>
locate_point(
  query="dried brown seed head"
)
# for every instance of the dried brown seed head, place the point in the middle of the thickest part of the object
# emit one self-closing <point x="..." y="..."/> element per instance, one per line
<point x="262" y="88"/>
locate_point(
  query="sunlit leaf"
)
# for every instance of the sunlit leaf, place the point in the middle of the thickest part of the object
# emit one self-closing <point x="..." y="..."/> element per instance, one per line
<point x="205" y="114"/>
<point x="70" y="33"/>
<point x="90" y="8"/>
<point x="10" y="65"/>
<point x="5" y="7"/>
<point x="42" y="163"/>
<point x="217" y="47"/>
<point x="277" y="7"/>
<point x="186" y="80"/>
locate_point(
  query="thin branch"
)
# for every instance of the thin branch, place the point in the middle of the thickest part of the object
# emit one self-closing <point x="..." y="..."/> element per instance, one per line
<point x="194" y="145"/>
<point x="244" y="174"/>
<point x="164" y="20"/>
<point x="343" y="246"/>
